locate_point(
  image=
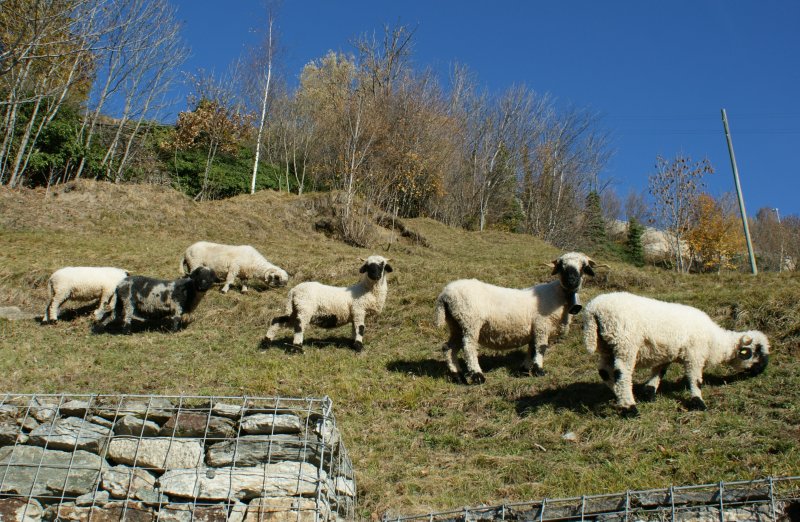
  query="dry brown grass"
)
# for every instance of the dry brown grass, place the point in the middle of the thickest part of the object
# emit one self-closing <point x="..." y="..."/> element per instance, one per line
<point x="418" y="442"/>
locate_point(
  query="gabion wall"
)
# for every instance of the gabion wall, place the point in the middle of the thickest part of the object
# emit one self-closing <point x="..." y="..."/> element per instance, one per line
<point x="770" y="499"/>
<point x="172" y="459"/>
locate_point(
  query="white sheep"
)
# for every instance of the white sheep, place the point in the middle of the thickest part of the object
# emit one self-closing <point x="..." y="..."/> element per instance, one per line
<point x="82" y="283"/>
<point x="242" y="261"/>
<point x="628" y="330"/>
<point x="332" y="306"/>
<point x="499" y="318"/>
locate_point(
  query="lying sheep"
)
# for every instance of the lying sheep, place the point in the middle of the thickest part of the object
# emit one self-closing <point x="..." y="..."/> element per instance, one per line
<point x="242" y="261"/>
<point x="82" y="283"/>
<point x="628" y="330"/>
<point x="478" y="313"/>
<point x="332" y="306"/>
<point x="144" y="298"/>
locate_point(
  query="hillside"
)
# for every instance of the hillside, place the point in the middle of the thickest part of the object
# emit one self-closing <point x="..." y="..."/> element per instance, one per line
<point x="418" y="442"/>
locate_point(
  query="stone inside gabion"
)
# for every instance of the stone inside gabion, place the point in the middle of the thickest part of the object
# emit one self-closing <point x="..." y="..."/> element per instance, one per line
<point x="171" y="459"/>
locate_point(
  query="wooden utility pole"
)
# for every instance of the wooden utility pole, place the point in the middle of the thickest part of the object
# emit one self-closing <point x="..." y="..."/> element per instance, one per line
<point x="753" y="266"/>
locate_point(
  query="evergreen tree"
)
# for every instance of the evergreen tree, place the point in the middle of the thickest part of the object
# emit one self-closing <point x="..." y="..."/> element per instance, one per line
<point x="595" y="228"/>
<point x="635" y="247"/>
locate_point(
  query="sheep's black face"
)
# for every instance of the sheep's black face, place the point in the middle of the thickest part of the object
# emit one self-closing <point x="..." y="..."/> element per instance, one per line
<point x="203" y="278"/>
<point x="571" y="268"/>
<point x="276" y="278"/>
<point x="374" y="267"/>
<point x="753" y="353"/>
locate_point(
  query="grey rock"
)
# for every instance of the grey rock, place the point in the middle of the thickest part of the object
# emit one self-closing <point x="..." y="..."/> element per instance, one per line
<point x="71" y="433"/>
<point x="131" y="425"/>
<point x="345" y="486"/>
<point x="230" y="411"/>
<point x="150" y="497"/>
<point x="123" y="482"/>
<point x="157" y="409"/>
<point x="110" y="512"/>
<point x="19" y="510"/>
<point x="251" y="450"/>
<point x="158" y="454"/>
<point x="100" y="421"/>
<point x="31" y="470"/>
<point x="198" y="425"/>
<point x="8" y="432"/>
<point x="13" y="313"/>
<point x="28" y="423"/>
<point x="95" y="498"/>
<point x="267" y="423"/>
<point x="280" y="479"/>
<point x="194" y="513"/>
<point x="286" y="509"/>
<point x="74" y="408"/>
<point x="327" y="432"/>
<point x="8" y="411"/>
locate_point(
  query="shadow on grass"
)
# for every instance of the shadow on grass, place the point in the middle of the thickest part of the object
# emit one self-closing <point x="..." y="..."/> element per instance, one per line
<point x="285" y="344"/>
<point x="136" y="327"/>
<point x="437" y="368"/>
<point x="71" y="314"/>
<point x="577" y="396"/>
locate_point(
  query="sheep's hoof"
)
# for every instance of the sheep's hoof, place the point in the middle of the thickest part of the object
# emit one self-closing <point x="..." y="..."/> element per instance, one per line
<point x="696" y="404"/>
<point x="629" y="413"/>
<point x="458" y="377"/>
<point x="296" y="348"/>
<point x="536" y="371"/>
<point x="477" y="378"/>
<point x="358" y="346"/>
<point x="649" y="394"/>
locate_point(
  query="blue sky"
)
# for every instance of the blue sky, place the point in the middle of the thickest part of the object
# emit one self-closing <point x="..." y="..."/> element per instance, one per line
<point x="657" y="73"/>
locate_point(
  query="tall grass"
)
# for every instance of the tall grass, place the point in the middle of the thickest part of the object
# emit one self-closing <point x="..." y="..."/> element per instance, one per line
<point x="418" y="442"/>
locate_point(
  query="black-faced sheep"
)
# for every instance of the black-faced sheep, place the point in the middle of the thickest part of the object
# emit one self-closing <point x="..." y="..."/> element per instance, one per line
<point x="628" y="330"/>
<point x="477" y="313"/>
<point x="332" y="306"/>
<point x="242" y="261"/>
<point x="143" y="298"/>
<point x="82" y="283"/>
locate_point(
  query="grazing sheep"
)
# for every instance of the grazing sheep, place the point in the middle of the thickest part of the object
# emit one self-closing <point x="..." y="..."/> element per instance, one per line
<point x="628" y="330"/>
<point x="82" y="283"/>
<point x="242" y="261"/>
<point x="478" y="313"/>
<point x="332" y="306"/>
<point x="144" y="298"/>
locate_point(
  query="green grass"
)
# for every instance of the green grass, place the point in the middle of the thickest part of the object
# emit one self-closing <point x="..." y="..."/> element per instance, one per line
<point x="418" y="442"/>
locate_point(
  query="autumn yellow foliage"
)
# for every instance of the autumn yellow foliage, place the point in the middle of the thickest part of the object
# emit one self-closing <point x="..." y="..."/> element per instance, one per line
<point x="715" y="236"/>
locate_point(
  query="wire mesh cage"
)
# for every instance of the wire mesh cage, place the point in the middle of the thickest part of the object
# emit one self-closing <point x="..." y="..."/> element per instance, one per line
<point x="172" y="459"/>
<point x="767" y="499"/>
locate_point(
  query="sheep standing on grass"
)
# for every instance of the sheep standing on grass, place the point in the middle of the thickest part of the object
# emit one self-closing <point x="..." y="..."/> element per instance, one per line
<point x="332" y="306"/>
<point x="145" y="298"/>
<point x="242" y="261"/>
<point x="627" y="330"/>
<point x="82" y="283"/>
<point x="500" y="318"/>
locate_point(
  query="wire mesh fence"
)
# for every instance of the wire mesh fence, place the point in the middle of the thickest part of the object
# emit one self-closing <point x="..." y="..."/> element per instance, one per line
<point x="767" y="499"/>
<point x="172" y="459"/>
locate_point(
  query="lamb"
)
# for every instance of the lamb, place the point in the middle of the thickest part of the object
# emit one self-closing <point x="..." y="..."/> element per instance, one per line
<point x="82" y="283"/>
<point x="332" y="306"/>
<point x="145" y="298"/>
<point x="478" y="313"/>
<point x="242" y="261"/>
<point x="627" y="330"/>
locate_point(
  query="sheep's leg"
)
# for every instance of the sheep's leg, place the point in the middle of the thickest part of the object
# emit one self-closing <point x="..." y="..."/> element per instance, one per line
<point x="623" y="387"/>
<point x="650" y="389"/>
<point x="605" y="367"/>
<point x="534" y="358"/>
<point x="358" y="331"/>
<point x="232" y="271"/>
<point x="103" y="305"/>
<point x="694" y="377"/>
<point x="55" y="303"/>
<point x="474" y="371"/>
<point x="300" y="324"/>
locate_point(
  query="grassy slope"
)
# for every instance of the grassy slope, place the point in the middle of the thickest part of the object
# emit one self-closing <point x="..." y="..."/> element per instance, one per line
<point x="418" y="442"/>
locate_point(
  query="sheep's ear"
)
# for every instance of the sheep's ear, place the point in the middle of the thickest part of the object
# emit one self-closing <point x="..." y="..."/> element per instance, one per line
<point x="555" y="265"/>
<point x="587" y="269"/>
<point x="387" y="267"/>
<point x="363" y="268"/>
<point x="745" y="353"/>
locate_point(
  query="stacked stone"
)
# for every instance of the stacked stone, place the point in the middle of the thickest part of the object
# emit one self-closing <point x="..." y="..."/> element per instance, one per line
<point x="143" y="460"/>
